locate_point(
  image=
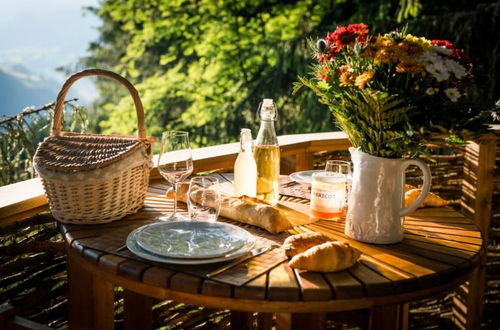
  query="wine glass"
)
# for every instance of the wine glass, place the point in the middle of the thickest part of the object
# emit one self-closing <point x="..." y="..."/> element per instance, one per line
<point x="175" y="163"/>
<point x="203" y="198"/>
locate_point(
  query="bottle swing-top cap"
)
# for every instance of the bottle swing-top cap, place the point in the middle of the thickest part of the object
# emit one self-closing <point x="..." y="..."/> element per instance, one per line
<point x="246" y="141"/>
<point x="268" y="110"/>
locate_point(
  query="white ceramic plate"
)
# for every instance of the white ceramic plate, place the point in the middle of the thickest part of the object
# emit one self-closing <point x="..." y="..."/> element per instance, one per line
<point x="192" y="239"/>
<point x="304" y="176"/>
<point x="137" y="250"/>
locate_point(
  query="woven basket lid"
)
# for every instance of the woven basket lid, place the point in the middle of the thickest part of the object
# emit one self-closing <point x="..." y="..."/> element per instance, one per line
<point x="81" y="152"/>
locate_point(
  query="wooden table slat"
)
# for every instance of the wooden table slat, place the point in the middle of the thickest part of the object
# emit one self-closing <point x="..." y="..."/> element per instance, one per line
<point x="460" y="232"/>
<point x="157" y="276"/>
<point x="217" y="289"/>
<point x="374" y="283"/>
<point x="255" y="289"/>
<point x="345" y="286"/>
<point x="93" y="255"/>
<point x="110" y="263"/>
<point x="445" y="237"/>
<point x="282" y="284"/>
<point x="463" y="246"/>
<point x="132" y="269"/>
<point x="186" y="283"/>
<point x="314" y="286"/>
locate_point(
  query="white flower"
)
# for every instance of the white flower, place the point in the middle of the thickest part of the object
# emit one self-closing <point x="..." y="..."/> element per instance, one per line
<point x="441" y="50"/>
<point x="438" y="71"/>
<point x="454" y="67"/>
<point x="453" y="94"/>
<point x="435" y="65"/>
<point x="431" y="91"/>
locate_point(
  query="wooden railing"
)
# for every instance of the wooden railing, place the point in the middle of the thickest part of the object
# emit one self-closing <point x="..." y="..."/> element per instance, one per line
<point x="23" y="199"/>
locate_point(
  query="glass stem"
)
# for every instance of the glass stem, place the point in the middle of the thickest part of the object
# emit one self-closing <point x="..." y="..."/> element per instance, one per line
<point x="174" y="188"/>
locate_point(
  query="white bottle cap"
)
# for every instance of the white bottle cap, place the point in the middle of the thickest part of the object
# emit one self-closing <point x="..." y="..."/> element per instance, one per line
<point x="268" y="110"/>
<point x="246" y="139"/>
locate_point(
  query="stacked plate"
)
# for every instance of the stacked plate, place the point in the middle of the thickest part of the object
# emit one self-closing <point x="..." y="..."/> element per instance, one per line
<point x="190" y="242"/>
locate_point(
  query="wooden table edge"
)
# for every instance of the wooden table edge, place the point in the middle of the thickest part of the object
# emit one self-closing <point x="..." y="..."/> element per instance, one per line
<point x="265" y="305"/>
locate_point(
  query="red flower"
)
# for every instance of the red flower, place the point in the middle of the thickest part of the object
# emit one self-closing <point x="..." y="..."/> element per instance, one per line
<point x="323" y="74"/>
<point x="456" y="53"/>
<point x="346" y="35"/>
<point x="443" y="43"/>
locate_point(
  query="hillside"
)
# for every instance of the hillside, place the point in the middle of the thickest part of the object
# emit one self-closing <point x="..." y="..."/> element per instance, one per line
<point x="19" y="89"/>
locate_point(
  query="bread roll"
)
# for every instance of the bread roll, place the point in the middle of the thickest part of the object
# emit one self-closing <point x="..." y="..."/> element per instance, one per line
<point x="246" y="209"/>
<point x="431" y="200"/>
<point x="326" y="257"/>
<point x="299" y="243"/>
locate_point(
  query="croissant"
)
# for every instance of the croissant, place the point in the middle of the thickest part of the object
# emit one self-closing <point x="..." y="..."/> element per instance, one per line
<point x="409" y="187"/>
<point x="326" y="257"/>
<point x="301" y="242"/>
<point x="431" y="200"/>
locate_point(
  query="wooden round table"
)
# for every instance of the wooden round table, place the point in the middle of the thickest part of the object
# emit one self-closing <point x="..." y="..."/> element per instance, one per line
<point x="440" y="251"/>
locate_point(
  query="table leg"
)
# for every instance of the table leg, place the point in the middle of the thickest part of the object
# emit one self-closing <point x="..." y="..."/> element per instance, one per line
<point x="104" y="304"/>
<point x="241" y="320"/>
<point x="90" y="299"/>
<point x="389" y="317"/>
<point x="300" y="321"/>
<point x="264" y="321"/>
<point x="80" y="300"/>
<point x="138" y="310"/>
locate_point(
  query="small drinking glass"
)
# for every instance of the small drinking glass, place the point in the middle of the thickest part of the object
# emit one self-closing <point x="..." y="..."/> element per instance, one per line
<point x="203" y="199"/>
<point x="329" y="190"/>
<point x="338" y="166"/>
<point x="175" y="163"/>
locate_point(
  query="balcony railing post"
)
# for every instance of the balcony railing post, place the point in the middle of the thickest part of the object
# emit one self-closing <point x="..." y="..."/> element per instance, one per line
<point x="477" y="196"/>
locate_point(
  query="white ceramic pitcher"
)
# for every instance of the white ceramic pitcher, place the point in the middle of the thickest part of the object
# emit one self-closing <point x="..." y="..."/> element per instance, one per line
<point x="375" y="208"/>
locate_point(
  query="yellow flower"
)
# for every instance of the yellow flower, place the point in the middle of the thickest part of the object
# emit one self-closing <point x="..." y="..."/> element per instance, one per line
<point x="347" y="78"/>
<point x="384" y="50"/>
<point x="363" y="79"/>
<point x="425" y="44"/>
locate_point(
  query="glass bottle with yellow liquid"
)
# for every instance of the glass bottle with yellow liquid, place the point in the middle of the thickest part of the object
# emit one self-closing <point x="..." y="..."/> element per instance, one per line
<point x="267" y="154"/>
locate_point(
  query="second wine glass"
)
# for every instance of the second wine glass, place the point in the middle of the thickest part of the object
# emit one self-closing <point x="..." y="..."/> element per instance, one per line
<point x="175" y="163"/>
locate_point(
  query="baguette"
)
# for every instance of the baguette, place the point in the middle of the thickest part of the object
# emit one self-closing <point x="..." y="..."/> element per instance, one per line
<point x="247" y="210"/>
<point x="326" y="257"/>
<point x="299" y="243"/>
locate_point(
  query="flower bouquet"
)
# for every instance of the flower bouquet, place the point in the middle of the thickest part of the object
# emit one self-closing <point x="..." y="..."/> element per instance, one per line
<point x="395" y="93"/>
<point x="392" y="94"/>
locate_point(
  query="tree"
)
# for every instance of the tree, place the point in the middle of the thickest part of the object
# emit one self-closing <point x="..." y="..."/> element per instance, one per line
<point x="204" y="66"/>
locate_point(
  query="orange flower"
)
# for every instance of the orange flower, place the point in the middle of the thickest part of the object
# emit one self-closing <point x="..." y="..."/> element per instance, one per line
<point x="363" y="79"/>
<point x="407" y="66"/>
<point x="347" y="78"/>
<point x="344" y="68"/>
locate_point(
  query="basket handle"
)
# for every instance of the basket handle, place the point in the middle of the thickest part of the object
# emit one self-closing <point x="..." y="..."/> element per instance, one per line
<point x="56" y="126"/>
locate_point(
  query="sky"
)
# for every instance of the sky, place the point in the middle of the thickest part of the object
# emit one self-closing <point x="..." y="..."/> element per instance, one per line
<point x="44" y="34"/>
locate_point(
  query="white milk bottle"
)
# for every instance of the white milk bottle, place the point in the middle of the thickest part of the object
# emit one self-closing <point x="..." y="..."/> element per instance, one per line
<point x="245" y="169"/>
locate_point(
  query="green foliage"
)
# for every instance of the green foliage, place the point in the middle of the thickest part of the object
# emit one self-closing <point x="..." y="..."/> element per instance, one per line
<point x="204" y="66"/>
<point x="373" y="120"/>
<point x="20" y="135"/>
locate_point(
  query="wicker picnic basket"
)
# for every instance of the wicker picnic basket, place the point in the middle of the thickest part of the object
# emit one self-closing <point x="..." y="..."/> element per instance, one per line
<point x="90" y="178"/>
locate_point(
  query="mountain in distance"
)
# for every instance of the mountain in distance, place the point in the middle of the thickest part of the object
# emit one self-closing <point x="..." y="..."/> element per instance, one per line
<point x="20" y="89"/>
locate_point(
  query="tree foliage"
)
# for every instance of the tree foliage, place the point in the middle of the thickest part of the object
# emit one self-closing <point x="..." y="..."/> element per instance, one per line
<point x="204" y="66"/>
